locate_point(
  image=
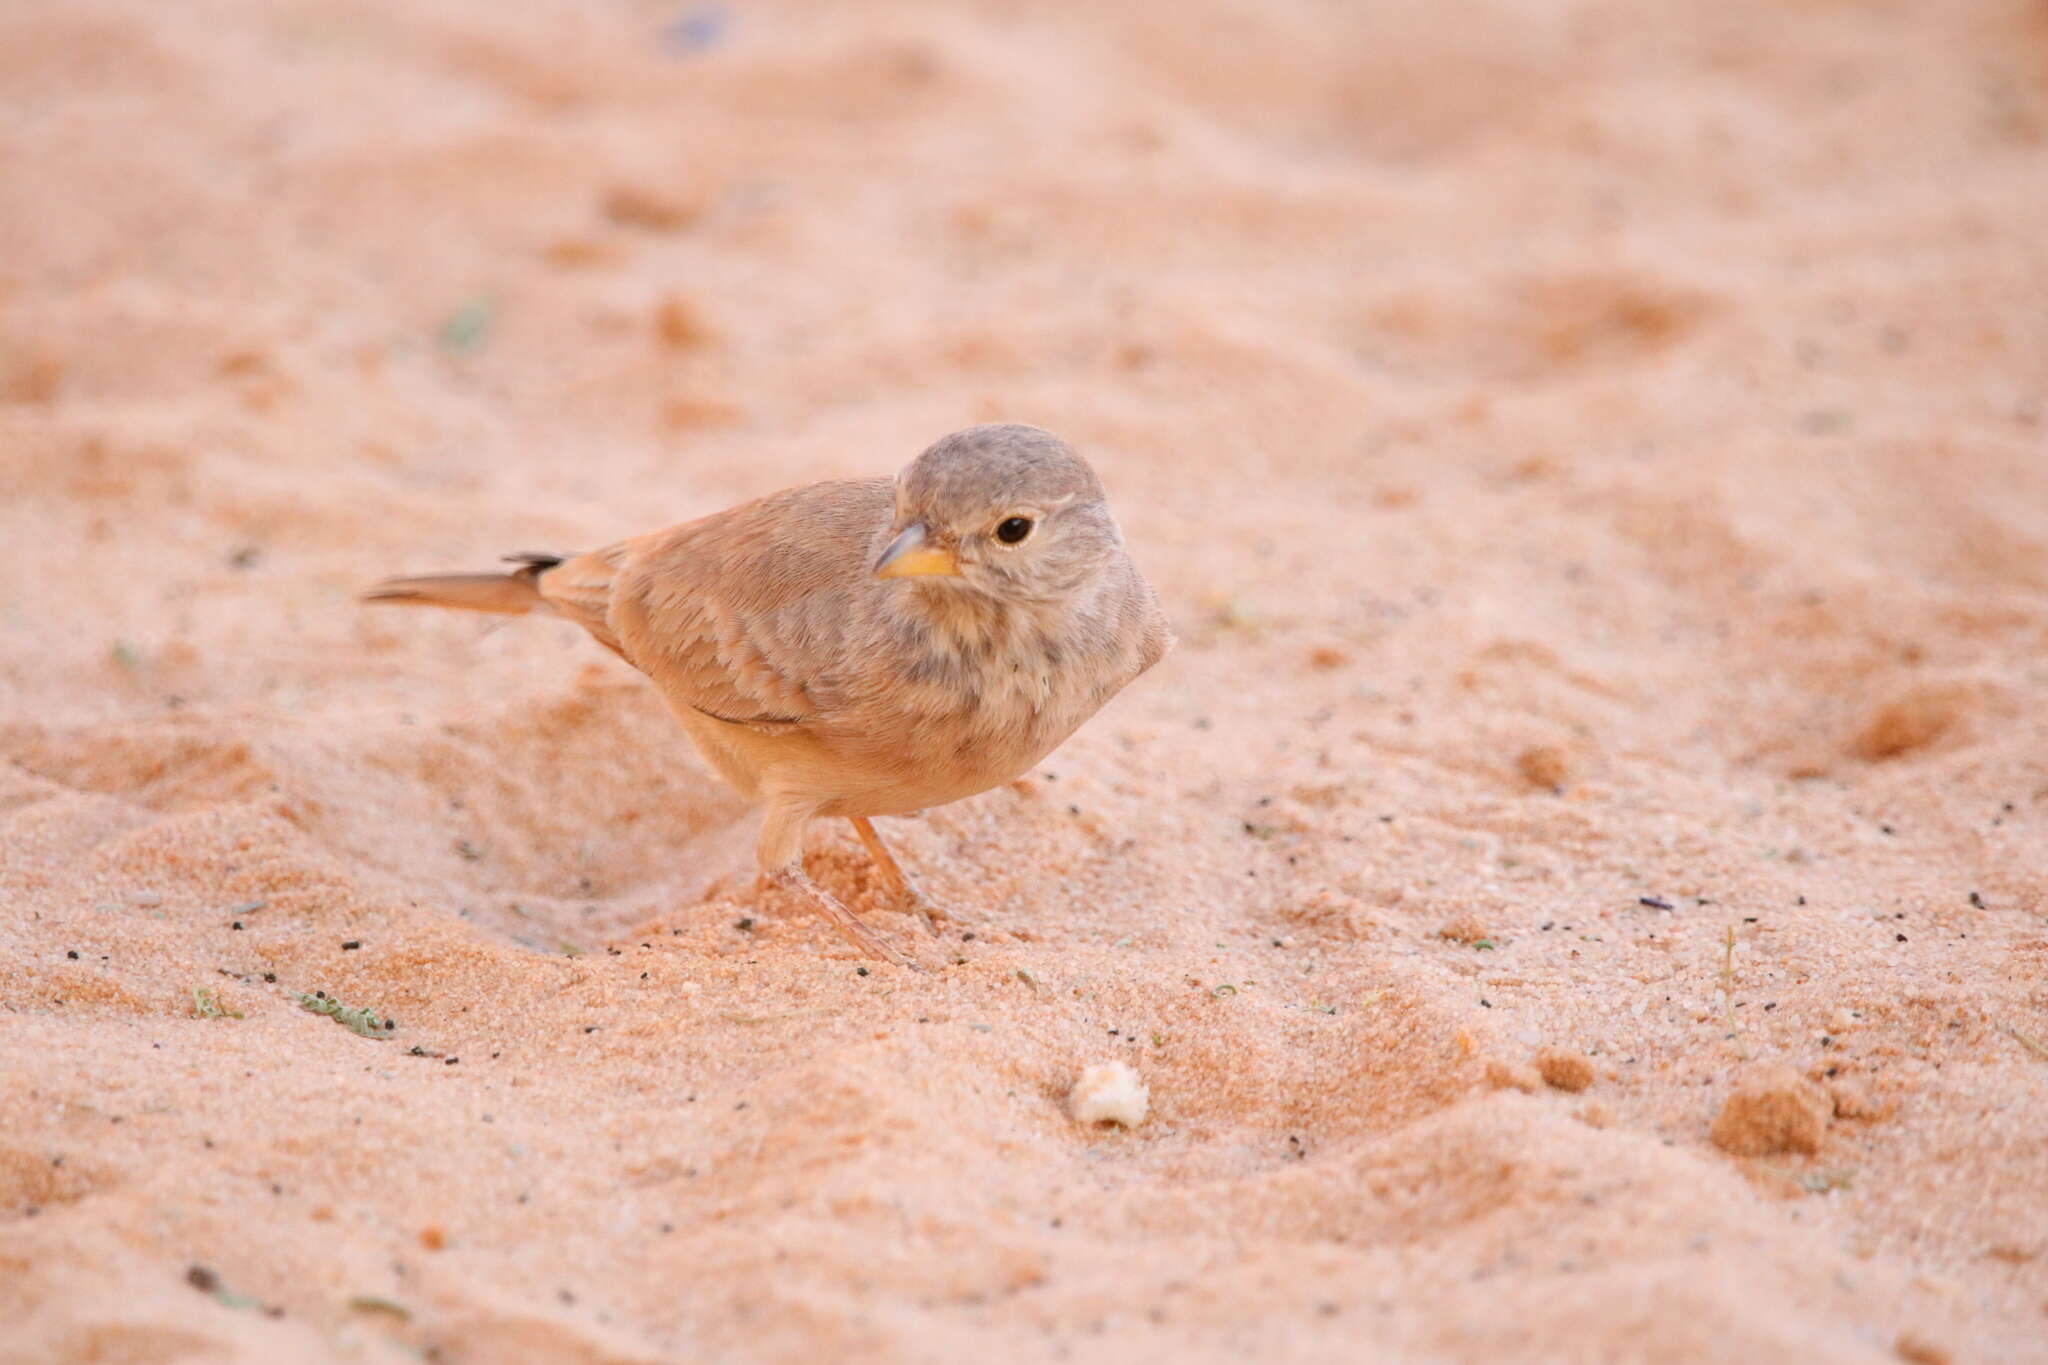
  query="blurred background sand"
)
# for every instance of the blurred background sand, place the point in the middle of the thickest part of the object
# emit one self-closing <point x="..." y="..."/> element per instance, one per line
<point x="1594" y="457"/>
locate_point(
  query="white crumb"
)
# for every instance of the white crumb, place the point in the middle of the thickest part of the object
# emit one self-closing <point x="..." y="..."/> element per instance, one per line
<point x="1109" y="1092"/>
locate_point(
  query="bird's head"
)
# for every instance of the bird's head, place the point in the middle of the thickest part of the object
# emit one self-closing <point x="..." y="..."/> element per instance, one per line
<point x="1004" y="509"/>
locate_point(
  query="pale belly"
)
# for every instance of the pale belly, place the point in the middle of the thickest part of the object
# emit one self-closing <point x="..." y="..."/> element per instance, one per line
<point x="892" y="762"/>
<point x="946" y="765"/>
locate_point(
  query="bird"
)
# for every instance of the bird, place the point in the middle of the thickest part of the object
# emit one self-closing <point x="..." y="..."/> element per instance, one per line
<point x="864" y="647"/>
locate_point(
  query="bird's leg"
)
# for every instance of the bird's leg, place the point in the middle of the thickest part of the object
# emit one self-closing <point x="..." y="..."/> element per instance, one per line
<point x="781" y="854"/>
<point x="794" y="878"/>
<point x="898" y="881"/>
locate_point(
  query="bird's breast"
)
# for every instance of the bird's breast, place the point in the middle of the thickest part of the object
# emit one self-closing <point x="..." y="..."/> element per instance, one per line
<point x="948" y="721"/>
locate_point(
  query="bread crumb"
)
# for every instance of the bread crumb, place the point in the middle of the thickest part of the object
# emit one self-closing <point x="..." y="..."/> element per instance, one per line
<point x="1565" y="1069"/>
<point x="1110" y="1092"/>
<point x="1773" y="1110"/>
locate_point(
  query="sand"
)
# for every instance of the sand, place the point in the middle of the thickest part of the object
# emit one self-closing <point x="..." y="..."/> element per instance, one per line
<point x="1594" y="458"/>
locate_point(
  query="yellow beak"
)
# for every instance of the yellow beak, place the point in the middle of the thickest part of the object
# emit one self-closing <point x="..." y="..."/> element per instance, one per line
<point x="909" y="556"/>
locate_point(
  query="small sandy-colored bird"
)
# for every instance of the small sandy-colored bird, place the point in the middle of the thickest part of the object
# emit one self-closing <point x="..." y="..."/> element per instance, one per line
<point x="865" y="647"/>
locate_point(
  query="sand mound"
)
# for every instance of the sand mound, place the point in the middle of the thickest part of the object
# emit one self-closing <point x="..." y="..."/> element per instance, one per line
<point x="1594" y="458"/>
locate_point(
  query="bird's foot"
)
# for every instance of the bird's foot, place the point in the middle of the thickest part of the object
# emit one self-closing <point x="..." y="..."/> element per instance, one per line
<point x="907" y="892"/>
<point x="844" y="920"/>
<point x="925" y="908"/>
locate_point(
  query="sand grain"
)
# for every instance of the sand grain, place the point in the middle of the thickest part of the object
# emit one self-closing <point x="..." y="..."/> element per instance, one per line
<point x="1594" y="458"/>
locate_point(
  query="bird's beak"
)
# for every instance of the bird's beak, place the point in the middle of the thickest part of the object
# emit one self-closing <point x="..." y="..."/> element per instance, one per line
<point x="910" y="556"/>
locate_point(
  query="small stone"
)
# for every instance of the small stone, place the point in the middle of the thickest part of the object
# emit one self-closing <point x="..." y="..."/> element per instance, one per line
<point x="653" y="210"/>
<point x="580" y="253"/>
<point x="1110" y="1092"/>
<point x="1773" y="1110"/>
<point x="1915" y="1349"/>
<point x="1912" y="721"/>
<point x="1852" y="1101"/>
<point x="1565" y="1069"/>
<point x="680" y="324"/>
<point x="1463" y="929"/>
<point x="433" y="1238"/>
<point x="1544" y="765"/>
<point x="1506" y="1075"/>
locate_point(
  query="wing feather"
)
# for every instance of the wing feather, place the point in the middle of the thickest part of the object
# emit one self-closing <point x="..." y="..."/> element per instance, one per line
<point x="742" y="615"/>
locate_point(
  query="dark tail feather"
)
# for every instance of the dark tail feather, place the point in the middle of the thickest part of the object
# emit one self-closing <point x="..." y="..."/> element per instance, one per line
<point x="507" y="594"/>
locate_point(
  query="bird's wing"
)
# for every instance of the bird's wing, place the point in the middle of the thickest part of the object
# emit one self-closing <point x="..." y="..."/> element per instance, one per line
<point x="743" y="614"/>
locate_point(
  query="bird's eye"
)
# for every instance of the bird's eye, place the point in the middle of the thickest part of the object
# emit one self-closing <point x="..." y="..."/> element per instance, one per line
<point x="1013" y="530"/>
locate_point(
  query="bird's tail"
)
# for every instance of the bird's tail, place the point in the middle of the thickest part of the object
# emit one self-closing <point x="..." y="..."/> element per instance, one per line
<point x="508" y="594"/>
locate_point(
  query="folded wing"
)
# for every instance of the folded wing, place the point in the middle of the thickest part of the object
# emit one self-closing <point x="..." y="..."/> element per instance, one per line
<point x="744" y="615"/>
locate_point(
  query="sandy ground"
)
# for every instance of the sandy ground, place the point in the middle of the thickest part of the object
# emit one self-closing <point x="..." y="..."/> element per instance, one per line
<point x="1594" y="457"/>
